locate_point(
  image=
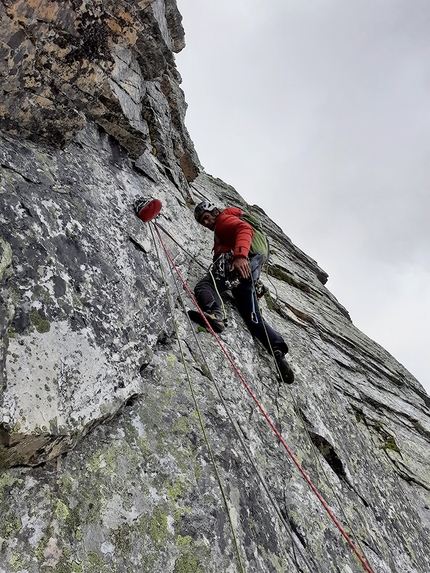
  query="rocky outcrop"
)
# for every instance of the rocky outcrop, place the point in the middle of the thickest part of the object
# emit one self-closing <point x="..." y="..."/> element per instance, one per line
<point x="119" y="418"/>
<point x="69" y="67"/>
<point x="66" y="64"/>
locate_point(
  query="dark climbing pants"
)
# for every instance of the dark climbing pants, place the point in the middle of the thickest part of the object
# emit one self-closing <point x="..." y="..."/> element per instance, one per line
<point x="246" y="301"/>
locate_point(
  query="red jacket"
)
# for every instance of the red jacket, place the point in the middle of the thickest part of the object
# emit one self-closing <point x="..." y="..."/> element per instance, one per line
<point x="232" y="234"/>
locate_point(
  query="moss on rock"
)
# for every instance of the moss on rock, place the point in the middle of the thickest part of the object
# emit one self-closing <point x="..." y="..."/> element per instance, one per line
<point x="280" y="274"/>
<point x="40" y="324"/>
<point x="158" y="527"/>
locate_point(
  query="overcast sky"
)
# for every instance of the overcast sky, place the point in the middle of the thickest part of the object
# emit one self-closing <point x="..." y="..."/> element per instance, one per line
<point x="319" y="112"/>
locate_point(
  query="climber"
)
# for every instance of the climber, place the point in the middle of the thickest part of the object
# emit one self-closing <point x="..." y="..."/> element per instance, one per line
<point x="236" y="269"/>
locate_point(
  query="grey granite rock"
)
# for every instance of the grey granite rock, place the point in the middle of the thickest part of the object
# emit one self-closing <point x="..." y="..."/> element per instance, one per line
<point x="119" y="419"/>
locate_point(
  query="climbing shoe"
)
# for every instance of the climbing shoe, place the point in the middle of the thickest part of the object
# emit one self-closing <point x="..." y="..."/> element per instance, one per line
<point x="284" y="368"/>
<point x="260" y="288"/>
<point x="214" y="319"/>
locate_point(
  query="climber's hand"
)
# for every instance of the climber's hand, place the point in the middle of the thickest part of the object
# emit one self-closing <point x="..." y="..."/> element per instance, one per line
<point x="241" y="265"/>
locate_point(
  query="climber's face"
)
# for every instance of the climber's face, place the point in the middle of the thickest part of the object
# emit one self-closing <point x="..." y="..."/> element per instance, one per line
<point x="208" y="219"/>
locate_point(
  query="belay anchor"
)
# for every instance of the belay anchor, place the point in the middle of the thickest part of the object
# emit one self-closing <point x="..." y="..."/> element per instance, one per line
<point x="147" y="208"/>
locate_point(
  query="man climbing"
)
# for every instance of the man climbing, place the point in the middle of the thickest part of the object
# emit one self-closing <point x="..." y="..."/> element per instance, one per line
<point x="237" y="269"/>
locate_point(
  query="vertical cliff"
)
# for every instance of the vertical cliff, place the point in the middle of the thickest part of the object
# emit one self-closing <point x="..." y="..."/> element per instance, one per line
<point x="119" y="419"/>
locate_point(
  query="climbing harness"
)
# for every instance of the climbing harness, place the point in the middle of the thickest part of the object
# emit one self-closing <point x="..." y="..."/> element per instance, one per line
<point x="221" y="270"/>
<point x="364" y="563"/>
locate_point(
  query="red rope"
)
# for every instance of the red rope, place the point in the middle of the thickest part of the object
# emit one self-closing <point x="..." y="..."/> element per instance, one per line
<point x="266" y="416"/>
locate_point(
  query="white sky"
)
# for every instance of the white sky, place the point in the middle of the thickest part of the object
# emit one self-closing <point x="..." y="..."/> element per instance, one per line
<point x="319" y="112"/>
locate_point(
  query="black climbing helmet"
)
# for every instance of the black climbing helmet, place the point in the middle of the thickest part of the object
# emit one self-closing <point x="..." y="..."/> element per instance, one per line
<point x="202" y="207"/>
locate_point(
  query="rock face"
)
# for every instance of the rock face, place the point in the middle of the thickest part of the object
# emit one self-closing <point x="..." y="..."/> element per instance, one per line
<point x="119" y="418"/>
<point x="110" y="63"/>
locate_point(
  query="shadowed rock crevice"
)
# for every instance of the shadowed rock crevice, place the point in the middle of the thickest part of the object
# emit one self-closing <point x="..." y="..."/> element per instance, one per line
<point x="329" y="454"/>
